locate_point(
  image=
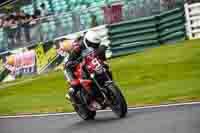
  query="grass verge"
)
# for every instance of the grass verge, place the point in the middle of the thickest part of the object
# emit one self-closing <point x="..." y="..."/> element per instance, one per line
<point x="167" y="74"/>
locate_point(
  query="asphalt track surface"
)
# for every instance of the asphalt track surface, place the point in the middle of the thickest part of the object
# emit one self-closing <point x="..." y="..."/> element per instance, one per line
<point x="172" y="119"/>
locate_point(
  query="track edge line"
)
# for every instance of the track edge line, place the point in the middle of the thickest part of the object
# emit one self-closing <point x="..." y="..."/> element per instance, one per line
<point x="130" y="108"/>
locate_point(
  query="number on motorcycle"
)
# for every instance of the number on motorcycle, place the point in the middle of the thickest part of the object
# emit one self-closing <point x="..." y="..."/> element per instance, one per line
<point x="96" y="63"/>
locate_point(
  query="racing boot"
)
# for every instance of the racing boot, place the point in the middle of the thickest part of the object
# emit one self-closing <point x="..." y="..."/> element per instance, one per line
<point x="71" y="96"/>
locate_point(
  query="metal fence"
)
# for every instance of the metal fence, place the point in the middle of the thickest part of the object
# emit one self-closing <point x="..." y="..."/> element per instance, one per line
<point x="50" y="27"/>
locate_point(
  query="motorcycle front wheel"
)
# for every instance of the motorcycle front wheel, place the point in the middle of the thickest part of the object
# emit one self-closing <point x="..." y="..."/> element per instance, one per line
<point x="119" y="105"/>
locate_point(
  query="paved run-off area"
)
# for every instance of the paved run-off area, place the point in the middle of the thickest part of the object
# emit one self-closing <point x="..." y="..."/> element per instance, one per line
<point x="184" y="118"/>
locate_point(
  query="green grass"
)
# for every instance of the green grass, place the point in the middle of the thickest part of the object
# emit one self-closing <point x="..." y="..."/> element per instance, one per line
<point x="167" y="74"/>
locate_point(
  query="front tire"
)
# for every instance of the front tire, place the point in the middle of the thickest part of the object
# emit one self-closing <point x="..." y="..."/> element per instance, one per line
<point x="119" y="105"/>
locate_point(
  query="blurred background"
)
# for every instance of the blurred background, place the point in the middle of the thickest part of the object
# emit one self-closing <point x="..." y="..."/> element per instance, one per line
<point x="26" y="22"/>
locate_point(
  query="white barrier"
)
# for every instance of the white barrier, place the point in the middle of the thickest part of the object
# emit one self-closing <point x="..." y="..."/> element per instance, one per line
<point x="101" y="30"/>
<point x="192" y="14"/>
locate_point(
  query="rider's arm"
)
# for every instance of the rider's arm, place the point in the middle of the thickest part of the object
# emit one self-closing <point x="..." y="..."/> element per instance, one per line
<point x="70" y="63"/>
<point x="101" y="51"/>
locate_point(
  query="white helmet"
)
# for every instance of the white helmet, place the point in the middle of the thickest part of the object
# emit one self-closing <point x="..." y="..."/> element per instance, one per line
<point x="92" y="38"/>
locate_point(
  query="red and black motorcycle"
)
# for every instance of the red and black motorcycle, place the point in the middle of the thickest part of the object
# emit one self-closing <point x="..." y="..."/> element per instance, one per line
<point x="98" y="91"/>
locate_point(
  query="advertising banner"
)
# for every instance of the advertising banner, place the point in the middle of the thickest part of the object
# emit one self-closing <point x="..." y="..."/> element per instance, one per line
<point x="21" y="63"/>
<point x="44" y="54"/>
<point x="1" y="64"/>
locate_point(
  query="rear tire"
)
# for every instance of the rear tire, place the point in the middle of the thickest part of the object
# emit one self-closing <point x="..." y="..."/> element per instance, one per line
<point x="119" y="105"/>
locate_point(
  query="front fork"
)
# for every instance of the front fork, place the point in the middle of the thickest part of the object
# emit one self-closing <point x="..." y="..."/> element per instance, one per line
<point x="103" y="90"/>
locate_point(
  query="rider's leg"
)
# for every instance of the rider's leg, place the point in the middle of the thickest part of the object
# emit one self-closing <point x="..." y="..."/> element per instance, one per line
<point x="72" y="93"/>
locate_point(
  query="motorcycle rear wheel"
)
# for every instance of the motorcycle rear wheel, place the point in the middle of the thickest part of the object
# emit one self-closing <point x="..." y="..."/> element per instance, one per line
<point x="84" y="112"/>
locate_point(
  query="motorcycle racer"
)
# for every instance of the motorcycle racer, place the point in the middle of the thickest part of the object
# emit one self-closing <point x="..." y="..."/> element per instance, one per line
<point x="76" y="49"/>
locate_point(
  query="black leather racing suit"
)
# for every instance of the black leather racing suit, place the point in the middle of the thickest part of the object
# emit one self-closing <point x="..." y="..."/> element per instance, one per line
<point x="74" y="58"/>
